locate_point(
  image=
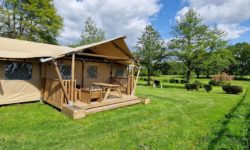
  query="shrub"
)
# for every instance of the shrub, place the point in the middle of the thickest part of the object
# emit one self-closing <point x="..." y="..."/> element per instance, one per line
<point x="191" y="86"/>
<point x="183" y="81"/>
<point x="188" y="86"/>
<point x="223" y="77"/>
<point x="172" y="80"/>
<point x="198" y="83"/>
<point x="176" y="81"/>
<point x="208" y="87"/>
<point x="232" y="89"/>
<point x="220" y="79"/>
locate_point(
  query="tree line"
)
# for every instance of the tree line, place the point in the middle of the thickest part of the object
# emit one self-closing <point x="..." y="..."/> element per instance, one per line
<point x="195" y="48"/>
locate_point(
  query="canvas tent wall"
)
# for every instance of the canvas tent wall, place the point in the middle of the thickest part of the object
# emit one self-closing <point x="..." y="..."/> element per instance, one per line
<point x="19" y="51"/>
<point x="16" y="90"/>
<point x="11" y="50"/>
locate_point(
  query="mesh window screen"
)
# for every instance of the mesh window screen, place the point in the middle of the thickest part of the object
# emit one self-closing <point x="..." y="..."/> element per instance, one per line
<point x="18" y="71"/>
<point x="92" y="71"/>
<point x="119" y="72"/>
<point x="65" y="71"/>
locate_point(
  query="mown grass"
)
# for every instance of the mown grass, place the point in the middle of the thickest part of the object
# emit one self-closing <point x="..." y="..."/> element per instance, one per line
<point x="175" y="119"/>
<point x="233" y="132"/>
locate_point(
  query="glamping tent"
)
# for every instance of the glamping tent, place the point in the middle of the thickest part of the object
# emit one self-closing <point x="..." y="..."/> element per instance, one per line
<point x="78" y="81"/>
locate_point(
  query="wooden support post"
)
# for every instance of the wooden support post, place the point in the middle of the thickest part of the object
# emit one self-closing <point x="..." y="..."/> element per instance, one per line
<point x="83" y="64"/>
<point x="128" y="84"/>
<point x="61" y="81"/>
<point x="43" y="76"/>
<point x="111" y="73"/>
<point x="72" y="77"/>
<point x="132" y="82"/>
<point x="138" y="73"/>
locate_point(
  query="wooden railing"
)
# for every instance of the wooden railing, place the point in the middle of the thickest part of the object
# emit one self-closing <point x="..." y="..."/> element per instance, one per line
<point x="126" y="84"/>
<point x="68" y="86"/>
<point x="53" y="93"/>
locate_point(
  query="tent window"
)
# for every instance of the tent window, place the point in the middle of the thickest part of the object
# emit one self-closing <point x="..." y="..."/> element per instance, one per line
<point x="18" y="71"/>
<point x="65" y="71"/>
<point x="92" y="71"/>
<point x="119" y="72"/>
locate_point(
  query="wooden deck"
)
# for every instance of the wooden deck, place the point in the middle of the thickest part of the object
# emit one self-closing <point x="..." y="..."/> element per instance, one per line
<point x="83" y="109"/>
<point x="83" y="102"/>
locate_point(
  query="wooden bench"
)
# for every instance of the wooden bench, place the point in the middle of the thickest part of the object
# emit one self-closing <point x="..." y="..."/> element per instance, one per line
<point x="89" y="94"/>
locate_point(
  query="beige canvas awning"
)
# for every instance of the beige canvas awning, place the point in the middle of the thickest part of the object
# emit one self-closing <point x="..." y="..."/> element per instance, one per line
<point x="12" y="48"/>
<point x="113" y="47"/>
<point x="110" y="49"/>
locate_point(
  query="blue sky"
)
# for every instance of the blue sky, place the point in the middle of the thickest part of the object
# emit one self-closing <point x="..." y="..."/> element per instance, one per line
<point x="129" y="17"/>
<point x="165" y="18"/>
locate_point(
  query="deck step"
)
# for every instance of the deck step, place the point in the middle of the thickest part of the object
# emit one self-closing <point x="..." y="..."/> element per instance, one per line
<point x="112" y="106"/>
<point x="80" y="110"/>
<point x="107" y="102"/>
<point x="73" y="111"/>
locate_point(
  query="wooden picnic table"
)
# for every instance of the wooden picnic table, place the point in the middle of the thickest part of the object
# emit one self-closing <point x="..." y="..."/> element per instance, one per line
<point x="108" y="87"/>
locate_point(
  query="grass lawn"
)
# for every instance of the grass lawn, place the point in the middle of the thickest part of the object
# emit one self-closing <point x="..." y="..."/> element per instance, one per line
<point x="175" y="119"/>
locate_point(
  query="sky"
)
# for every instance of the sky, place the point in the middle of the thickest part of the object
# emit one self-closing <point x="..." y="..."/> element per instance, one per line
<point x="129" y="17"/>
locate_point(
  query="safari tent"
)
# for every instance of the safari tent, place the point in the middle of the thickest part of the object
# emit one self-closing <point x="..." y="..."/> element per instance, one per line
<point x="79" y="81"/>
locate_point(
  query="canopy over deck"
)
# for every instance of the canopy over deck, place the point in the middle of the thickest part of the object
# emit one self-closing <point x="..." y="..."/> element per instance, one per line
<point x="20" y="49"/>
<point x="112" y="49"/>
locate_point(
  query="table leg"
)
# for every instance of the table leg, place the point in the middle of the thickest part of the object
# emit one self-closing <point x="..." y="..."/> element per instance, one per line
<point x="119" y="92"/>
<point x="107" y="93"/>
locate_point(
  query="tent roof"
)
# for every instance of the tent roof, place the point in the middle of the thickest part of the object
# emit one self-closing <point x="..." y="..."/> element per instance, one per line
<point x="113" y="47"/>
<point x="12" y="48"/>
<point x="19" y="49"/>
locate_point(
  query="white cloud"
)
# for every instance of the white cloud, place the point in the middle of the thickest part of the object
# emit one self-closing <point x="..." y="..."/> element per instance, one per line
<point x="180" y="13"/>
<point x="227" y="14"/>
<point x="233" y="30"/>
<point x="123" y="17"/>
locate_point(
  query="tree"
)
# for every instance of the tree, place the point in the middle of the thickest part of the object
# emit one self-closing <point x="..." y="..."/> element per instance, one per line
<point x="217" y="58"/>
<point x="91" y="33"/>
<point x="194" y="42"/>
<point x="241" y="52"/>
<point x="218" y="61"/>
<point x="189" y="40"/>
<point x="171" y="67"/>
<point x="31" y="20"/>
<point x="149" y="49"/>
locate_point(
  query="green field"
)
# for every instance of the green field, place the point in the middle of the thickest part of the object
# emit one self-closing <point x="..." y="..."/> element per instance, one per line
<point x="175" y="119"/>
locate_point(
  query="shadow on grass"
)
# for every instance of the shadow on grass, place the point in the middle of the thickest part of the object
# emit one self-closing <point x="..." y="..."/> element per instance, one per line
<point x="223" y="130"/>
<point x="174" y="86"/>
<point x="248" y="130"/>
<point x="17" y="104"/>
